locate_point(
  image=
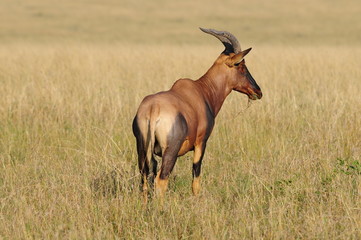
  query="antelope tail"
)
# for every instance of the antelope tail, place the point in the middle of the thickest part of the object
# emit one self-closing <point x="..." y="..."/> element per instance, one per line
<point x="150" y="139"/>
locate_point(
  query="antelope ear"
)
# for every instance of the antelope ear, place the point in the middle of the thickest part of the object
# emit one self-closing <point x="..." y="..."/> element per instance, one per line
<point x="236" y="59"/>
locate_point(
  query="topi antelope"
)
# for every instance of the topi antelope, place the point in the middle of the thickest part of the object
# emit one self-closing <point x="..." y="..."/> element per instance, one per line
<point x="171" y="123"/>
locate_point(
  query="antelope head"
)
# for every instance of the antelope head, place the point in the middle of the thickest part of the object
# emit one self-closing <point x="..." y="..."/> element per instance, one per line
<point x="240" y="79"/>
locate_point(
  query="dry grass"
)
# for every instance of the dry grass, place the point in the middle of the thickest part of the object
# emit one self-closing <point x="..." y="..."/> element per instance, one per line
<point x="288" y="167"/>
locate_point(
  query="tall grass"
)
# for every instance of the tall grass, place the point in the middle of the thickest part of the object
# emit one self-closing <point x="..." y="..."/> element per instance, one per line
<point x="286" y="167"/>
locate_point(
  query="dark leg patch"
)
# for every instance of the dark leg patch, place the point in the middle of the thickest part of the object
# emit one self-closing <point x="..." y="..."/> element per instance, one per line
<point x="175" y="139"/>
<point x="197" y="168"/>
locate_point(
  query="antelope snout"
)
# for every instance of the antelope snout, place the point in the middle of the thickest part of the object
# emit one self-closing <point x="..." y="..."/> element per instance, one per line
<point x="255" y="94"/>
<point x="258" y="94"/>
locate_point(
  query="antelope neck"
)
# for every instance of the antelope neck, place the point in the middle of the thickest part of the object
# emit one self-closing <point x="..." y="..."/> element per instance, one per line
<point x="215" y="90"/>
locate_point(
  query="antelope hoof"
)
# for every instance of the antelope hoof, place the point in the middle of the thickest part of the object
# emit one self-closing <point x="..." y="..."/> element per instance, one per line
<point x="160" y="187"/>
<point x="196" y="186"/>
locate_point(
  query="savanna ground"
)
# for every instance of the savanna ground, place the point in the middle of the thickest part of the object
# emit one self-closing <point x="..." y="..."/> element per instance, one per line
<point x="72" y="75"/>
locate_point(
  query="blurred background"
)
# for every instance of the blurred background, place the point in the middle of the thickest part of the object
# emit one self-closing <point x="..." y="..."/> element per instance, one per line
<point x="278" y="22"/>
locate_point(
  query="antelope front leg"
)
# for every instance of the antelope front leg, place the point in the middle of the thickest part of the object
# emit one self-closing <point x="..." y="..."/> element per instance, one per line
<point x="196" y="172"/>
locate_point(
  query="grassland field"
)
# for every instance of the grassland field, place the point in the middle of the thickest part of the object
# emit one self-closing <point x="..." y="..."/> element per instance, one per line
<point x="72" y="75"/>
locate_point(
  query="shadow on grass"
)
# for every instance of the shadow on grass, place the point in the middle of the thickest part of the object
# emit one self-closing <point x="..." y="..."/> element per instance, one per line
<point x="113" y="184"/>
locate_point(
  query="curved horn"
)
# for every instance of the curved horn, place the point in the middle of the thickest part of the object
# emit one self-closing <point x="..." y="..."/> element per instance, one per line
<point x="228" y="39"/>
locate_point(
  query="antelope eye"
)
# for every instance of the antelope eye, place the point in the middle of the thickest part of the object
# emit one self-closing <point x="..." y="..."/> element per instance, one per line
<point x="237" y="64"/>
